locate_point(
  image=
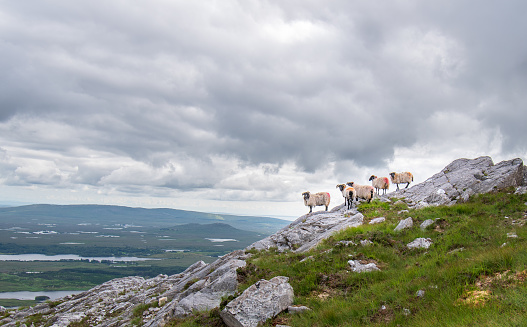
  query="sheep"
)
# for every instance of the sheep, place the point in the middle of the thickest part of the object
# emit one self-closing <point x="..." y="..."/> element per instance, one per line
<point x="317" y="199"/>
<point x="348" y="193"/>
<point x="401" y="178"/>
<point x="363" y="191"/>
<point x="380" y="183"/>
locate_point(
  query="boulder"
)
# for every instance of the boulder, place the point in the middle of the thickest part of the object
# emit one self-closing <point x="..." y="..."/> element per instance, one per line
<point x="261" y="301"/>
<point x="405" y="223"/>
<point x="420" y="243"/>
<point x="463" y="178"/>
<point x="426" y="223"/>
<point x="358" y="267"/>
<point x="309" y="230"/>
<point x="377" y="220"/>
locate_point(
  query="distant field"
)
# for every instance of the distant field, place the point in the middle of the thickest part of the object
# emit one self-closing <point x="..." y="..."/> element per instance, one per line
<point x="82" y="275"/>
<point x="106" y="231"/>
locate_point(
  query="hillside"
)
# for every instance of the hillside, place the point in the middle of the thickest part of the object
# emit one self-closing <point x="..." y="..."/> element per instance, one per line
<point x="119" y="215"/>
<point x="461" y="261"/>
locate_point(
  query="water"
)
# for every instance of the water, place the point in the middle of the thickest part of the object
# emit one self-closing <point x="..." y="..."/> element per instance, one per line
<point x="58" y="257"/>
<point x="25" y="295"/>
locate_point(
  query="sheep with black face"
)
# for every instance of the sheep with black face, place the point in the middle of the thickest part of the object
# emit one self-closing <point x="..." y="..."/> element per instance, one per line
<point x="363" y="191"/>
<point x="401" y="178"/>
<point x="317" y="199"/>
<point x="348" y="193"/>
<point x="380" y="183"/>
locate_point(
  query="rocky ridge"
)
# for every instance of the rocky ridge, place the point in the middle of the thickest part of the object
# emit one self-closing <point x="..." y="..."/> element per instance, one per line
<point x="155" y="301"/>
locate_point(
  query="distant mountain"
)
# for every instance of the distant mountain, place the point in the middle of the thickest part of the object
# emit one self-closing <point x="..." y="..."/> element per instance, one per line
<point x="108" y="214"/>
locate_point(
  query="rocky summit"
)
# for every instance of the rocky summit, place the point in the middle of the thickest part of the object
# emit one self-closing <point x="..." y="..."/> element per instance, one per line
<point x="156" y="301"/>
<point x="463" y="178"/>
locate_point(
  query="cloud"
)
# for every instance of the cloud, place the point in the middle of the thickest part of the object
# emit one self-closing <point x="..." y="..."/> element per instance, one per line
<point x="253" y="100"/>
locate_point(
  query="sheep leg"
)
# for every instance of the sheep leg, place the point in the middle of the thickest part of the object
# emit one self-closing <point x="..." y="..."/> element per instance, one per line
<point x="407" y="185"/>
<point x="397" y="187"/>
<point x="310" y="209"/>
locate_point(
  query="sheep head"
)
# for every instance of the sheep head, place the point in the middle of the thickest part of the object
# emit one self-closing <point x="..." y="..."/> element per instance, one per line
<point x="306" y="195"/>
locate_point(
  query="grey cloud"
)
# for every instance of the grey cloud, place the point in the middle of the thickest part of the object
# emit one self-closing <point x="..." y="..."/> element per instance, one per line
<point x="252" y="82"/>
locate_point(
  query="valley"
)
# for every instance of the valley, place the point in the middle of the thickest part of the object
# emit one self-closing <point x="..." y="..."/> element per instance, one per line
<point x="53" y="248"/>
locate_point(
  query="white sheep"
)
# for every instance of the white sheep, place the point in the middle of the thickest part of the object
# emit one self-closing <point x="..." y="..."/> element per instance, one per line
<point x="380" y="183"/>
<point x="401" y="178"/>
<point x="317" y="199"/>
<point x="363" y="191"/>
<point x="348" y="193"/>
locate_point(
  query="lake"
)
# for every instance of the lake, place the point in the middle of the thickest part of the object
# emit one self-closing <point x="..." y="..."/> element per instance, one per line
<point x="24" y="295"/>
<point x="58" y="257"/>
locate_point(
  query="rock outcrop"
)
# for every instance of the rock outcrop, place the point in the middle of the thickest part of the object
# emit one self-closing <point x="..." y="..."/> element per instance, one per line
<point x="463" y="178"/>
<point x="309" y="230"/>
<point x="116" y="302"/>
<point x="259" y="302"/>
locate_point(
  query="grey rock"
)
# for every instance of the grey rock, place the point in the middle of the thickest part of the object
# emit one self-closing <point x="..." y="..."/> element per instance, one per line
<point x="420" y="293"/>
<point x="421" y="205"/>
<point x="211" y="283"/>
<point x="512" y="235"/>
<point x="426" y="223"/>
<point x="297" y="309"/>
<point x="406" y="312"/>
<point x="420" y="243"/>
<point x="309" y="230"/>
<point x="358" y="267"/>
<point x="463" y="178"/>
<point x="405" y="223"/>
<point x="377" y="220"/>
<point x="521" y="190"/>
<point x="366" y="242"/>
<point x="402" y="211"/>
<point x="3" y="310"/>
<point x="261" y="301"/>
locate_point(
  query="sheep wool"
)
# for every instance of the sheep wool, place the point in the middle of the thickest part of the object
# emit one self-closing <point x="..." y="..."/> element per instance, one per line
<point x="401" y="178"/>
<point x="363" y="191"/>
<point x="348" y="193"/>
<point x="380" y="183"/>
<point x="317" y="199"/>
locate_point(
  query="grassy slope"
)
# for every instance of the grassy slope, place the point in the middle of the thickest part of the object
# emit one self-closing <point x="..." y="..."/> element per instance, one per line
<point x="469" y="278"/>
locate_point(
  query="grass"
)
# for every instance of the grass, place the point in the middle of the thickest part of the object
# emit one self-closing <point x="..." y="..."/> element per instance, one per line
<point x="473" y="274"/>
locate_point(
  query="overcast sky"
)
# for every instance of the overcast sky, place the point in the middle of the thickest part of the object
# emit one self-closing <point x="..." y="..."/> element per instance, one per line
<point x="240" y="106"/>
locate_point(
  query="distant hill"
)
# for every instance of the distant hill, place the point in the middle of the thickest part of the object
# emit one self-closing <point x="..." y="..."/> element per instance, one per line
<point x="108" y="214"/>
